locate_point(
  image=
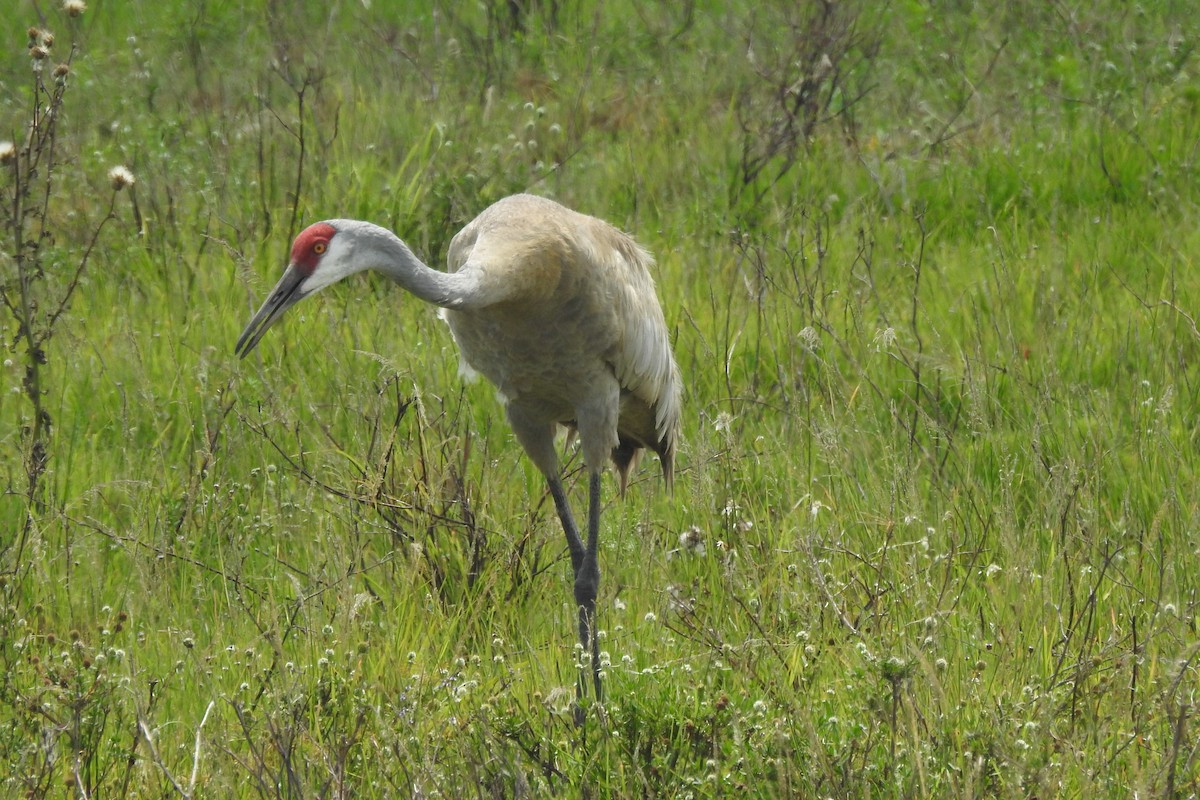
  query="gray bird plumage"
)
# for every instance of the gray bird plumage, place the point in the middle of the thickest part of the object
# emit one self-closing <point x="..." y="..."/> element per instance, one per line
<point x="559" y="311"/>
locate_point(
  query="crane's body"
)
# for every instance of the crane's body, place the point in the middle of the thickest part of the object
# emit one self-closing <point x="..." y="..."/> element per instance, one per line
<point x="559" y="311"/>
<point x="579" y="338"/>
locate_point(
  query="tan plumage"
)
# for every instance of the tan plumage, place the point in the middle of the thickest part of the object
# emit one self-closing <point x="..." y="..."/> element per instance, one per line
<point x="581" y="315"/>
<point x="559" y="311"/>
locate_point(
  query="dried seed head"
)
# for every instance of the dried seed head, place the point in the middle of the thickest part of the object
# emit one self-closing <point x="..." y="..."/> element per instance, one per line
<point x="35" y="35"/>
<point x="8" y="151"/>
<point x="60" y="74"/>
<point x="120" y="177"/>
<point x="38" y="53"/>
<point x="47" y="39"/>
<point x="74" y="8"/>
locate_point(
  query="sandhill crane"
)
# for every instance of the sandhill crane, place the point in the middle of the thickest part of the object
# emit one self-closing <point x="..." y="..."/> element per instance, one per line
<point x="559" y="311"/>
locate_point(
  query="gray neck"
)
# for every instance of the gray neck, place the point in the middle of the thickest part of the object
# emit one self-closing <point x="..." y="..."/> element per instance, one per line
<point x="376" y="248"/>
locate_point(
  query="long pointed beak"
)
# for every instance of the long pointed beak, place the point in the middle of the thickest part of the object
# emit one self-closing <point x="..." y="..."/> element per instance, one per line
<point x="285" y="295"/>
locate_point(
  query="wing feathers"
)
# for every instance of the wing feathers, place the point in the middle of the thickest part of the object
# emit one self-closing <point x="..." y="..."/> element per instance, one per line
<point x="589" y="285"/>
<point x="643" y="362"/>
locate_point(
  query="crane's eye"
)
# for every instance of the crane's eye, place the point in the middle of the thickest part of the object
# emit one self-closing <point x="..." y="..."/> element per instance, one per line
<point x="320" y="247"/>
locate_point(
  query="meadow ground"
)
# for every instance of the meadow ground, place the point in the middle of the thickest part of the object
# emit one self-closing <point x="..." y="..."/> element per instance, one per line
<point x="929" y="271"/>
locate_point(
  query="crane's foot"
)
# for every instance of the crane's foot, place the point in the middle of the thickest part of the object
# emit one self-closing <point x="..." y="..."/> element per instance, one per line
<point x="586" y="582"/>
<point x="579" y="709"/>
<point x="578" y="712"/>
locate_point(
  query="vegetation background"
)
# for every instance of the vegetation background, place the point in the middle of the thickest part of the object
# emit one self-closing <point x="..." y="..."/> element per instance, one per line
<point x="929" y="270"/>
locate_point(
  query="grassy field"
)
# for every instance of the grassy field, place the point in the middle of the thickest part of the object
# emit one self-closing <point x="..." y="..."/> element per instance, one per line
<point x="929" y="273"/>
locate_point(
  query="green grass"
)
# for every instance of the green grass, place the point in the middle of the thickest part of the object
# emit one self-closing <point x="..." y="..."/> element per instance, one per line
<point x="939" y="445"/>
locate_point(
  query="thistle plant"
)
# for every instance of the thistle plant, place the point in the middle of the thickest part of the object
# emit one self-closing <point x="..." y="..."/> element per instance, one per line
<point x="40" y="268"/>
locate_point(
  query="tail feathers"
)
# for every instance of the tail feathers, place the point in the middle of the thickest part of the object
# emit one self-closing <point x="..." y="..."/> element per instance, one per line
<point x="626" y="456"/>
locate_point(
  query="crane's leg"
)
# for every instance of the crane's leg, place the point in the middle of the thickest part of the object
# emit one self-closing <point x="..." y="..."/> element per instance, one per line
<point x="587" y="580"/>
<point x="538" y="440"/>
<point x="574" y="542"/>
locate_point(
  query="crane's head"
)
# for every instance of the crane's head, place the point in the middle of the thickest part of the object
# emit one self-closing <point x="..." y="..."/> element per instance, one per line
<point x="319" y="258"/>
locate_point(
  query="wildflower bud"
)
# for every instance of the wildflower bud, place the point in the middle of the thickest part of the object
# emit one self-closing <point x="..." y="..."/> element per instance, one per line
<point x="120" y="177"/>
<point x="74" y="8"/>
<point x="8" y="151"/>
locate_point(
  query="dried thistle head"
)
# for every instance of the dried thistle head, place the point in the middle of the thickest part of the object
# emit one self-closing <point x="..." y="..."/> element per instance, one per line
<point x="74" y="8"/>
<point x="47" y="39"/>
<point x="38" y="52"/>
<point x="35" y="36"/>
<point x="120" y="177"/>
<point x="60" y="74"/>
<point x="8" y="151"/>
